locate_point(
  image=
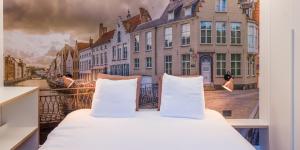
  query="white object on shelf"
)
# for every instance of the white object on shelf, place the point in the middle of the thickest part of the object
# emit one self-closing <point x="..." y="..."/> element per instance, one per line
<point x="19" y="118"/>
<point x="248" y="123"/>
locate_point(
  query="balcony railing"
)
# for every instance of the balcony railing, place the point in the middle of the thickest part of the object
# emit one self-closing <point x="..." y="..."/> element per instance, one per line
<point x="55" y="104"/>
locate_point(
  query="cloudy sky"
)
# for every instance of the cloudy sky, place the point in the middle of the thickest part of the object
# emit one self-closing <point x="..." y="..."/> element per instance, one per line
<point x="36" y="29"/>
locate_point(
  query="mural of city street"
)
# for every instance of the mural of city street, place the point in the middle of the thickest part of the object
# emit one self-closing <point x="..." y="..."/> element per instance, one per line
<point x="78" y="40"/>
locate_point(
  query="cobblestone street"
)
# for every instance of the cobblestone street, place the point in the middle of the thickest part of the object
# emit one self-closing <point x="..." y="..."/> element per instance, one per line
<point x="240" y="102"/>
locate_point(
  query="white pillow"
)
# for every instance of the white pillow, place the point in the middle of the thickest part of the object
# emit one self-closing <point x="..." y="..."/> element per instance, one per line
<point x="114" y="98"/>
<point x="182" y="97"/>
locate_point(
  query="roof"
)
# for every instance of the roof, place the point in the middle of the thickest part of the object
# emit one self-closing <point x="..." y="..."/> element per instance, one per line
<point x="105" y="38"/>
<point x="81" y="46"/>
<point x="131" y="23"/>
<point x="175" y="6"/>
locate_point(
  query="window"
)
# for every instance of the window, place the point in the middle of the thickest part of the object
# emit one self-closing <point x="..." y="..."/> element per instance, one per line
<point x="221" y="6"/>
<point x="168" y="37"/>
<point x="186" y="64"/>
<point x="188" y="11"/>
<point x="98" y="58"/>
<point x="148" y="41"/>
<point x="235" y="33"/>
<point x="136" y="64"/>
<point x="236" y="64"/>
<point x="252" y="38"/>
<point x="221" y="64"/>
<point x="101" y="60"/>
<point x="148" y="62"/>
<point x="171" y="15"/>
<point x="119" y="37"/>
<point x="168" y="65"/>
<point x="125" y="52"/>
<point x="119" y="53"/>
<point x="221" y="32"/>
<point x="185" y="34"/>
<point x="105" y="58"/>
<point x="206" y="32"/>
<point x="137" y="43"/>
<point x="114" y="53"/>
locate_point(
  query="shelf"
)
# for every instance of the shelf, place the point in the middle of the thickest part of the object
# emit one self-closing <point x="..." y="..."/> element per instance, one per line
<point x="12" y="137"/>
<point x="248" y="123"/>
<point x="12" y="93"/>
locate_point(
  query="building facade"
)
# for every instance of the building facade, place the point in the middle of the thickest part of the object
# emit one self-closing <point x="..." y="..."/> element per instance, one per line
<point x="15" y="69"/>
<point x="9" y="73"/>
<point x="195" y="37"/>
<point x="120" y="64"/>
<point x="101" y="51"/>
<point x="85" y="62"/>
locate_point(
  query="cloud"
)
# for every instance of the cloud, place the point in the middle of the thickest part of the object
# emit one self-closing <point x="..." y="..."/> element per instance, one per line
<point x="75" y="17"/>
<point x="52" y="53"/>
<point x="35" y="29"/>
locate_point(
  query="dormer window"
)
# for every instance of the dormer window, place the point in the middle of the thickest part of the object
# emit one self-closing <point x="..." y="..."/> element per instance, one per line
<point x="171" y="15"/>
<point x="188" y="11"/>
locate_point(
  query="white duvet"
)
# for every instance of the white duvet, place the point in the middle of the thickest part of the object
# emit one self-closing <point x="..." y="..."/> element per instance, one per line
<point x="147" y="131"/>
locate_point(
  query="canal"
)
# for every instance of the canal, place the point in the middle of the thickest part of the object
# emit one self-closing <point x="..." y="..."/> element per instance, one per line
<point x="41" y="83"/>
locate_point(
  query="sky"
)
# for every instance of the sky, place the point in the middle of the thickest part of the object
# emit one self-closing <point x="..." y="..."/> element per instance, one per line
<point x="35" y="30"/>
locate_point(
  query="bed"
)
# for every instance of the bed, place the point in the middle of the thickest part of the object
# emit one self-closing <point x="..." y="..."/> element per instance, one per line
<point x="147" y="131"/>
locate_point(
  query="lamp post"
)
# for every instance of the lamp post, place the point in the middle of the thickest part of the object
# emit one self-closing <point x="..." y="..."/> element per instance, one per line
<point x="229" y="85"/>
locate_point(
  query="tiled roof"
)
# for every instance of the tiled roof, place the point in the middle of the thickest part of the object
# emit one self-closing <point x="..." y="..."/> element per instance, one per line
<point x="81" y="46"/>
<point x="131" y="23"/>
<point x="105" y="38"/>
<point x="177" y="7"/>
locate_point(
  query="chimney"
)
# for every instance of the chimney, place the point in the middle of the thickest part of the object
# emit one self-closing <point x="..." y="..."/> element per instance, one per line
<point x="145" y="15"/>
<point x="102" y="29"/>
<point x="91" y="41"/>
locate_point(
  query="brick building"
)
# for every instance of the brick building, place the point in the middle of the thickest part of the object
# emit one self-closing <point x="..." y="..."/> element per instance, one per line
<point x="196" y="37"/>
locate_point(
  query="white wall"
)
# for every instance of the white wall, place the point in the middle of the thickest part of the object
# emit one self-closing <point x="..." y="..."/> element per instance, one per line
<point x="281" y="120"/>
<point x="296" y="20"/>
<point x="1" y="43"/>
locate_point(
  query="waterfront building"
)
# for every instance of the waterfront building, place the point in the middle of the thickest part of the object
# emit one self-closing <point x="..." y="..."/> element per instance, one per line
<point x="196" y="37"/>
<point x="18" y="69"/>
<point x="76" y="60"/>
<point x="58" y="63"/>
<point x="52" y="70"/>
<point x="69" y="62"/>
<point x="100" y="52"/>
<point x="9" y="72"/>
<point x="120" y="53"/>
<point x="85" y="61"/>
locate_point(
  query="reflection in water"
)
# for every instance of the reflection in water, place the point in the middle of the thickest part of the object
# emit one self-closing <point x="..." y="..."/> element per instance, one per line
<point x="42" y="84"/>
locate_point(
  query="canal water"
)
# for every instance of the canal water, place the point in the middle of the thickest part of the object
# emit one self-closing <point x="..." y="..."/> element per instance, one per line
<point x="42" y="84"/>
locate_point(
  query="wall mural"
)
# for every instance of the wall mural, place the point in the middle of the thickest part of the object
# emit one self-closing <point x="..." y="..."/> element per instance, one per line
<point x="47" y="40"/>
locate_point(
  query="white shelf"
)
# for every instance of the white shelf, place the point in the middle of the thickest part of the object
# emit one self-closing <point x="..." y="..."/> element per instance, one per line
<point x="12" y="137"/>
<point x="19" y="125"/>
<point x="248" y="123"/>
<point x="8" y="94"/>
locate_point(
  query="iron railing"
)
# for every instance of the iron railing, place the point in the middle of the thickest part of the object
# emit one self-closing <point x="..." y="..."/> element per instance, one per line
<point x="55" y="104"/>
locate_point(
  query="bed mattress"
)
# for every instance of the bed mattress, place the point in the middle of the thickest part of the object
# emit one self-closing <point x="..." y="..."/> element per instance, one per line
<point x="147" y="131"/>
